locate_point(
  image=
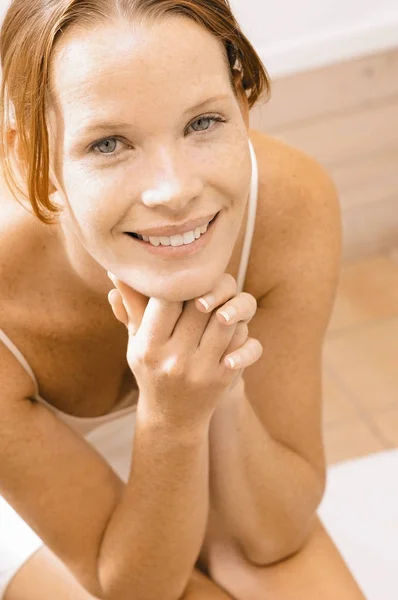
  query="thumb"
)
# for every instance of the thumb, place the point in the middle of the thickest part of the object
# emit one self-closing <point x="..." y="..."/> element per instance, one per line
<point x="134" y="303"/>
<point x="116" y="302"/>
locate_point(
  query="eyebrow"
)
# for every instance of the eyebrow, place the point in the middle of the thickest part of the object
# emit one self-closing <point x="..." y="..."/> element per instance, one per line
<point x="112" y="125"/>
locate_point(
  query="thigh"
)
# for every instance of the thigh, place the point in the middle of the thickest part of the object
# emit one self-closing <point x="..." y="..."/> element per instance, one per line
<point x="201" y="587"/>
<point x="316" y="571"/>
<point x="45" y="577"/>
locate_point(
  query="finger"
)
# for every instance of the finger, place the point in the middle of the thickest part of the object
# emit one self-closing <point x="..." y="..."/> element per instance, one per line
<point x="224" y="290"/>
<point x="219" y="333"/>
<point x="151" y="320"/>
<point x="133" y="302"/>
<point x="238" y="379"/>
<point x="250" y="353"/>
<point x="239" y="339"/>
<point x="194" y="324"/>
<point x="241" y="308"/>
<point x="119" y="310"/>
<point x="158" y="322"/>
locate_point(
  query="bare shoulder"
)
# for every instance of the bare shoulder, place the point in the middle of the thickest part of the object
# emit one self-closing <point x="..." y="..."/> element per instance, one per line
<point x="22" y="246"/>
<point x="28" y="265"/>
<point x="297" y="201"/>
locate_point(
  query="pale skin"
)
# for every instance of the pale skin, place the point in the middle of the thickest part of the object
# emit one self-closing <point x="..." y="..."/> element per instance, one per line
<point x="230" y="322"/>
<point x="118" y="196"/>
<point x="167" y="178"/>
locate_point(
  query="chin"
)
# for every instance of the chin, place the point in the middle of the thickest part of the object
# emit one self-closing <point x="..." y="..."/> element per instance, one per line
<point x="182" y="289"/>
<point x="182" y="294"/>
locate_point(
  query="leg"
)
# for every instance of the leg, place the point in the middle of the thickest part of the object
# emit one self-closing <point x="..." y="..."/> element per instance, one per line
<point x="317" y="571"/>
<point x="45" y="577"/>
<point x="201" y="587"/>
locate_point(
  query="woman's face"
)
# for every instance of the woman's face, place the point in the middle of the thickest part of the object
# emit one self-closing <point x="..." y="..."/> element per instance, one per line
<point x="146" y="132"/>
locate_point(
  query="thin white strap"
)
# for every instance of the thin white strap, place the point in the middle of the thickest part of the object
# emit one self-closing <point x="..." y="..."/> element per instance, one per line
<point x="251" y="221"/>
<point x="20" y="357"/>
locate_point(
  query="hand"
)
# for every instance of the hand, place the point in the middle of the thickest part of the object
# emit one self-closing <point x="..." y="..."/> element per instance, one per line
<point x="179" y="352"/>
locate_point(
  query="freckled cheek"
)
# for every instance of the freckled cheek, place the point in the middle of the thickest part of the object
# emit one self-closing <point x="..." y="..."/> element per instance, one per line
<point x="238" y="187"/>
<point x="97" y="203"/>
<point x="233" y="171"/>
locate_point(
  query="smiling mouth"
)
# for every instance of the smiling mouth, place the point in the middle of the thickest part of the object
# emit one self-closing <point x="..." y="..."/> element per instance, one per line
<point x="140" y="237"/>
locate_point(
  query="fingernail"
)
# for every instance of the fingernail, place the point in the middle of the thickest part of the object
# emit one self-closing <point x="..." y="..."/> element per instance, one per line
<point x="234" y="362"/>
<point x="207" y="302"/>
<point x="112" y="277"/>
<point x="111" y="295"/>
<point x="229" y="313"/>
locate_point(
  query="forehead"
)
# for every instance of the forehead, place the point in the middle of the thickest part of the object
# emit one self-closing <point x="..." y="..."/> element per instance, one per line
<point x="121" y="59"/>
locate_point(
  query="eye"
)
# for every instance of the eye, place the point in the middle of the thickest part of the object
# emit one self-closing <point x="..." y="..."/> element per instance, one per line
<point x="205" y="122"/>
<point x="109" y="144"/>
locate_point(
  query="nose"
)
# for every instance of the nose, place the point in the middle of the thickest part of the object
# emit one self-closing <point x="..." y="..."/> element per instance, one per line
<point x="173" y="182"/>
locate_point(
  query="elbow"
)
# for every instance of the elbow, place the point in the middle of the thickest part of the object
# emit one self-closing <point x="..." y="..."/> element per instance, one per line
<point x="91" y="585"/>
<point x="269" y="557"/>
<point x="291" y="534"/>
<point x="275" y="551"/>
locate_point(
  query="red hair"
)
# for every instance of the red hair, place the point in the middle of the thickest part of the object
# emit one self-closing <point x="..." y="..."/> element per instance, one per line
<point x="28" y="36"/>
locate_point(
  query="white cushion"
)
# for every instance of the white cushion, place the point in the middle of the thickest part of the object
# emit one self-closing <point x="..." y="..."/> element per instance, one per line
<point x="360" y="512"/>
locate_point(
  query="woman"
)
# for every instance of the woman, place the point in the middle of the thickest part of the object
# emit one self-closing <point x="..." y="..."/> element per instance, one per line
<point x="126" y="126"/>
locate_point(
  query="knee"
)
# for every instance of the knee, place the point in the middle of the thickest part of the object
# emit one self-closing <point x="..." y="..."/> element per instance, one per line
<point x="201" y="587"/>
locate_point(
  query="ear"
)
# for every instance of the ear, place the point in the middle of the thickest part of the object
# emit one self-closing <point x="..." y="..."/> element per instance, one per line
<point x="12" y="142"/>
<point x="15" y="153"/>
<point x="242" y="98"/>
<point x="51" y="188"/>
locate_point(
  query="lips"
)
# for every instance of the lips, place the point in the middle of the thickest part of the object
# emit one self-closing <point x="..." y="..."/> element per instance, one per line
<point x="139" y="236"/>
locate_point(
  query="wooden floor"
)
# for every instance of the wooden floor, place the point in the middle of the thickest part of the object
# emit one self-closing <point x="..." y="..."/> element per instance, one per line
<point x="361" y="361"/>
<point x="346" y="116"/>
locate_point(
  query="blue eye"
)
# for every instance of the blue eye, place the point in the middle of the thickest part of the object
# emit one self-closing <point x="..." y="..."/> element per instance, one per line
<point x="97" y="145"/>
<point x="105" y="141"/>
<point x="207" y="119"/>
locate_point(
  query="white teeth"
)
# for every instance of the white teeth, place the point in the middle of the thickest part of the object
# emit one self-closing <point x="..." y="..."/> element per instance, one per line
<point x="165" y="241"/>
<point x="177" y="240"/>
<point x="155" y="241"/>
<point x="189" y="237"/>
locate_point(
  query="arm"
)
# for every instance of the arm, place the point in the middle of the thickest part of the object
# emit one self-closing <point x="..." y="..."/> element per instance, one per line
<point x="267" y="464"/>
<point x="145" y="534"/>
<point x="153" y="538"/>
<point x="264" y="493"/>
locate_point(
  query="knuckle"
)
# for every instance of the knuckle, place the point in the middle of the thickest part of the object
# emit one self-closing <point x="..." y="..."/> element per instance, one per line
<point x="146" y="355"/>
<point x="256" y="349"/>
<point x="248" y="350"/>
<point x="173" y="367"/>
<point x="230" y="282"/>
<point x="251" y="301"/>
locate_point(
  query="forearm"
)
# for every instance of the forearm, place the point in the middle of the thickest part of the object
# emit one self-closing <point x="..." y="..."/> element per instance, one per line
<point x="154" y="536"/>
<point x="265" y="494"/>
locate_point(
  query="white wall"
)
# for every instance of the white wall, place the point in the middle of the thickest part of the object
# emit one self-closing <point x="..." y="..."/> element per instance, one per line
<point x="4" y="4"/>
<point x="294" y="35"/>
